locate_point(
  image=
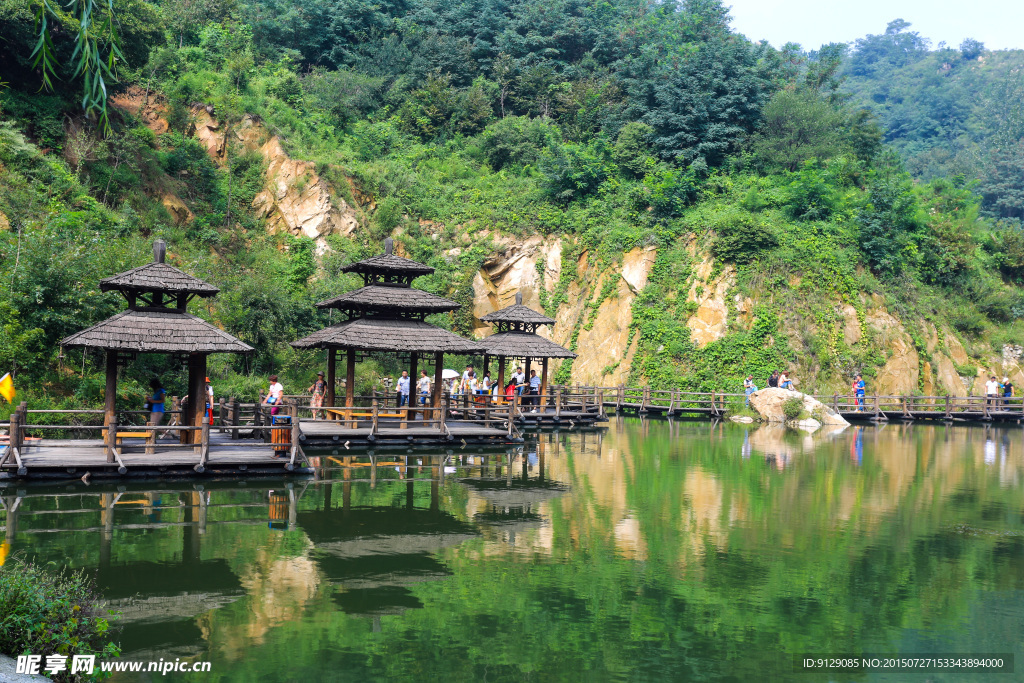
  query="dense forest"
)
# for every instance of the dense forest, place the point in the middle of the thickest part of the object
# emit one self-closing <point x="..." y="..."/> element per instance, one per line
<point x="882" y="171"/>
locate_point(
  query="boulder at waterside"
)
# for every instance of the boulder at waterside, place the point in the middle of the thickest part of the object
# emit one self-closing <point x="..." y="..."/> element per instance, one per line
<point x="768" y="404"/>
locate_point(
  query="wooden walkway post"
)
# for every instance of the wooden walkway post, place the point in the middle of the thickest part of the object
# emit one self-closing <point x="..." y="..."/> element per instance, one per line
<point x="558" y="403"/>
<point x="600" y="402"/>
<point x="236" y="416"/>
<point x="350" y="386"/>
<point x="619" y="398"/>
<point x="111" y="439"/>
<point x="375" y="416"/>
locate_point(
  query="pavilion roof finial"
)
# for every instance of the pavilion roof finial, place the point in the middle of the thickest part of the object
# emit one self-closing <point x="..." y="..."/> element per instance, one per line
<point x="389" y="247"/>
<point x="159" y="251"/>
<point x="519" y="297"/>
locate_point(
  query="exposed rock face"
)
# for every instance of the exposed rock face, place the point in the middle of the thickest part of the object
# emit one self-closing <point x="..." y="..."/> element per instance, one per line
<point x="296" y="199"/>
<point x="851" y="325"/>
<point x="602" y="344"/>
<point x="768" y="404"/>
<point x="899" y="376"/>
<point x="711" y="319"/>
<point x="948" y="379"/>
<point x="151" y="107"/>
<point x="180" y="213"/>
<point x="4" y="223"/>
<point x="515" y="270"/>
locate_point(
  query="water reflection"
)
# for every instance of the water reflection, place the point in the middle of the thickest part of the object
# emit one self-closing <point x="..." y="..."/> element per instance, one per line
<point x="660" y="549"/>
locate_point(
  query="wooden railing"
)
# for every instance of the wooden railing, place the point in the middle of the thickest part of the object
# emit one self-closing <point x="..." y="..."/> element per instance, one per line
<point x="645" y="399"/>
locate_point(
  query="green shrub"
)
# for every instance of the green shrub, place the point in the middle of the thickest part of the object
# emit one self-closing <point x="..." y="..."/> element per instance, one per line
<point x="740" y="237"/>
<point x="518" y="141"/>
<point x="792" y="407"/>
<point x="46" y="613"/>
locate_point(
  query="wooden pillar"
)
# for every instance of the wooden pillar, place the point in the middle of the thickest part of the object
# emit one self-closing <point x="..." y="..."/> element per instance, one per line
<point x="487" y="362"/>
<point x="109" y="405"/>
<point x="196" y="394"/>
<point x="543" y="384"/>
<point x="350" y="383"/>
<point x="438" y="379"/>
<point x="526" y="390"/>
<point x="501" y="375"/>
<point x="332" y="378"/>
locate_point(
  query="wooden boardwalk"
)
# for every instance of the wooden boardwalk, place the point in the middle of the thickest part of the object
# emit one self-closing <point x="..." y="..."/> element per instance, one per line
<point x="324" y="433"/>
<point x="950" y="409"/>
<point x="78" y="458"/>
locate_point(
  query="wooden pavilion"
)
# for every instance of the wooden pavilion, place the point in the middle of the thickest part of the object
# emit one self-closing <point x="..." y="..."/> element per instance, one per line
<point x="516" y="338"/>
<point x="386" y="315"/>
<point x="156" y="322"/>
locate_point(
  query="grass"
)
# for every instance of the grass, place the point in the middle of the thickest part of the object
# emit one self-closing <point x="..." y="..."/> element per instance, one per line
<point x="43" y="612"/>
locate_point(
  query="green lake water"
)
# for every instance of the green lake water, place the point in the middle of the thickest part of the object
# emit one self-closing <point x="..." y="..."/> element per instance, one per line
<point x="653" y="550"/>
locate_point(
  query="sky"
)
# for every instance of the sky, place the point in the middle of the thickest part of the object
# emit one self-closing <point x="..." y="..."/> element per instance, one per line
<point x="997" y="23"/>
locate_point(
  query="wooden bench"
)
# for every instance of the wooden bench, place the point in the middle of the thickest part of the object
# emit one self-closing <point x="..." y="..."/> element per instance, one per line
<point x="149" y="436"/>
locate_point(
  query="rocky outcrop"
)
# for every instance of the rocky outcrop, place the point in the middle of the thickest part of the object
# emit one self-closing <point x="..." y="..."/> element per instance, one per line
<point x="147" y="105"/>
<point x="599" y="318"/>
<point x="296" y="199"/>
<point x="5" y="224"/>
<point x="899" y="376"/>
<point x="710" y="321"/>
<point x="513" y="269"/>
<point x="768" y="404"/>
<point x="180" y="213"/>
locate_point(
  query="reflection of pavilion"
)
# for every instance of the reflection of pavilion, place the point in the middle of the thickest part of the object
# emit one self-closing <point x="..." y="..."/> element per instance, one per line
<point x="513" y="500"/>
<point x="375" y="553"/>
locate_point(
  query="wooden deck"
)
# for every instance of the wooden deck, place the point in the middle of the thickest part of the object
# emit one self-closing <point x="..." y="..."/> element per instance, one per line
<point x="321" y="433"/>
<point x="78" y="458"/>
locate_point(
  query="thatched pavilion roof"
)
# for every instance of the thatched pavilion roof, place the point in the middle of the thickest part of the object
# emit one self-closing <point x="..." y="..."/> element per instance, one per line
<point x="157" y="276"/>
<point x="389" y="265"/>
<point x="390" y="298"/>
<point x="524" y="345"/>
<point x="160" y="330"/>
<point x="518" y="313"/>
<point x="388" y="334"/>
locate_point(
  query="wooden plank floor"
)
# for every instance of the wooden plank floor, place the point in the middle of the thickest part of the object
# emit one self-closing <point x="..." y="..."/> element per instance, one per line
<point x="90" y="455"/>
<point x="334" y="431"/>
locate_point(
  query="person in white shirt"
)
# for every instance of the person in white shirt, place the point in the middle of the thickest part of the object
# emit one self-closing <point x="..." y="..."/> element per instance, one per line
<point x="992" y="392"/>
<point x="423" y="386"/>
<point x="403" y="389"/>
<point x="520" y="377"/>
<point x="274" y="395"/>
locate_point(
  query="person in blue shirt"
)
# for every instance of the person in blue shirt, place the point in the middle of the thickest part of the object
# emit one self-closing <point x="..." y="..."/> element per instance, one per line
<point x="156" y="402"/>
<point x="534" y="390"/>
<point x="403" y="389"/>
<point x="858" y="390"/>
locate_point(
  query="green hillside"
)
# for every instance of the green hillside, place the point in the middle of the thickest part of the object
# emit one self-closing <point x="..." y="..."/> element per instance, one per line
<point x="460" y="126"/>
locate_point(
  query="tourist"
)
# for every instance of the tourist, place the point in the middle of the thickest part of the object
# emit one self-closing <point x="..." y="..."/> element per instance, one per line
<point x="402" y="388"/>
<point x="424" y="387"/>
<point x="209" y="402"/>
<point x="319" y="390"/>
<point x="534" y="390"/>
<point x="992" y="392"/>
<point x="465" y="376"/>
<point x="785" y="382"/>
<point x="510" y="390"/>
<point x="485" y="384"/>
<point x="748" y="388"/>
<point x="155" y="404"/>
<point x="858" y="392"/>
<point x="520" y="377"/>
<point x="275" y="394"/>
<point x="773" y="379"/>
<point x="1007" y="387"/>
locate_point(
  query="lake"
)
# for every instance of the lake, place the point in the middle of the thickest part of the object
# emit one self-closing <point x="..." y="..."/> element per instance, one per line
<point x="652" y="550"/>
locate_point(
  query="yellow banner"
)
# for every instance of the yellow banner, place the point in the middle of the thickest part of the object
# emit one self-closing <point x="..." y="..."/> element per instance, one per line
<point x="7" y="387"/>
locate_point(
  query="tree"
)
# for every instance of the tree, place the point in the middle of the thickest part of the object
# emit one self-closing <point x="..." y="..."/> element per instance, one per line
<point x="888" y="224"/>
<point x="797" y="126"/>
<point x="1002" y="184"/>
